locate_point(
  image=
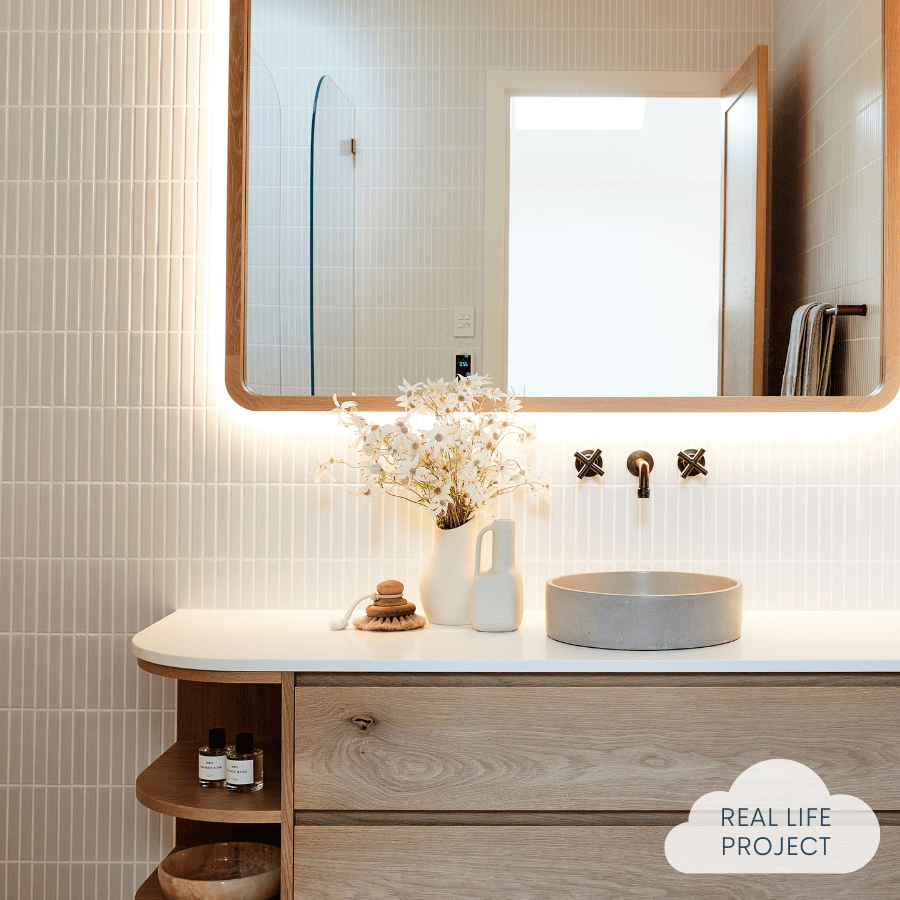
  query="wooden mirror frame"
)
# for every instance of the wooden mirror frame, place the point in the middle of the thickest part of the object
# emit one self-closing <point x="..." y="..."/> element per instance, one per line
<point x="236" y="267"/>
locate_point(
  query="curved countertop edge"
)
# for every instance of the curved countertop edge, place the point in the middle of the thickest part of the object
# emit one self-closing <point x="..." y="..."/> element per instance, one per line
<point x="221" y="640"/>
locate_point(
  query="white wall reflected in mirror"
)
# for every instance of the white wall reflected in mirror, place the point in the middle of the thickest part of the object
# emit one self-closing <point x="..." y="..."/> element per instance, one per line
<point x="615" y="254"/>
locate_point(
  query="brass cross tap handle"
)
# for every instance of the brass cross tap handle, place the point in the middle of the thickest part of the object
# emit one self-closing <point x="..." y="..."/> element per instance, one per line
<point x="692" y="462"/>
<point x="588" y="463"/>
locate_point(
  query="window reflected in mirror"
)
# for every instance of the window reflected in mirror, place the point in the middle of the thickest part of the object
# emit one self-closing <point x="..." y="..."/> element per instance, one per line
<point x="615" y="250"/>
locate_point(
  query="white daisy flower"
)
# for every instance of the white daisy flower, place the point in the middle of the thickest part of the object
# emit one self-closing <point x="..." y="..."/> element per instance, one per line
<point x="408" y="392"/>
<point x="438" y="438"/>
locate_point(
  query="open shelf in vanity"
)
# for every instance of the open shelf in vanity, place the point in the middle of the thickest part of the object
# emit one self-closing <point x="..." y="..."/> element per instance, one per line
<point x="236" y="701"/>
<point x="170" y="786"/>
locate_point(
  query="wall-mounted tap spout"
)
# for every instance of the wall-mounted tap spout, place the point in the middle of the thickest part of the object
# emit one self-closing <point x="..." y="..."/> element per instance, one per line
<point x="643" y="479"/>
<point x="640" y="463"/>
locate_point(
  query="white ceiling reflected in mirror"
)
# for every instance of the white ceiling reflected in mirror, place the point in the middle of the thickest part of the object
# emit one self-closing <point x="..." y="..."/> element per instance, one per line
<point x="577" y="113"/>
<point x="365" y="232"/>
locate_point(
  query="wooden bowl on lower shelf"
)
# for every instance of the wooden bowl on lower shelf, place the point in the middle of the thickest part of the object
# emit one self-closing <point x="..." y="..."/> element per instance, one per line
<point x="236" y="870"/>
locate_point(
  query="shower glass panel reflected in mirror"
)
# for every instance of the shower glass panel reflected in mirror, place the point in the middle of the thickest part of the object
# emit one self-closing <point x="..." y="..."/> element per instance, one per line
<point x="331" y="228"/>
<point x="300" y="286"/>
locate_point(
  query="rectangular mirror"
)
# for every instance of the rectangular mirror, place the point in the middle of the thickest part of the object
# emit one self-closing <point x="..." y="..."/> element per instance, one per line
<point x="600" y="210"/>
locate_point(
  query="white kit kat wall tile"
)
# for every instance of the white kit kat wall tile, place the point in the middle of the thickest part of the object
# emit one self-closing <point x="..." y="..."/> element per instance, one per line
<point x="131" y="486"/>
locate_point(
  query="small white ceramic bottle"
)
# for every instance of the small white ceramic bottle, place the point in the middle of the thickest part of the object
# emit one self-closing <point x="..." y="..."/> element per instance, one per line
<point x="497" y="595"/>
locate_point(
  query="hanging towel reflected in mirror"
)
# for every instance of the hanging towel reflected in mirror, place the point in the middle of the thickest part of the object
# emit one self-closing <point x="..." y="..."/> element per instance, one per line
<point x="807" y="370"/>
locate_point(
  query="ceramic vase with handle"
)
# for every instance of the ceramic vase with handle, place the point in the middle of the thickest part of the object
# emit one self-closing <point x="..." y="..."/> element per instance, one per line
<point x="497" y="595"/>
<point x="445" y="587"/>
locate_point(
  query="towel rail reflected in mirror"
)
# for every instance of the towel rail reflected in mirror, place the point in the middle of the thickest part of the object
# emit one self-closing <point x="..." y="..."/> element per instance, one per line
<point x="418" y="208"/>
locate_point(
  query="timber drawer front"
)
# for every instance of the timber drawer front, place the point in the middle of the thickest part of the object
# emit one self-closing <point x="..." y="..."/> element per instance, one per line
<point x="588" y="743"/>
<point x="545" y="863"/>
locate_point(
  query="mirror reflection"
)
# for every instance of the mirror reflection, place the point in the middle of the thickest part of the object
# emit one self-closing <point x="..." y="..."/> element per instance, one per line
<point x="726" y="244"/>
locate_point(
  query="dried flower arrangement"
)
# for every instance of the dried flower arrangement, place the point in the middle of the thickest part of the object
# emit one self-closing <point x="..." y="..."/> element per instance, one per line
<point x="453" y="467"/>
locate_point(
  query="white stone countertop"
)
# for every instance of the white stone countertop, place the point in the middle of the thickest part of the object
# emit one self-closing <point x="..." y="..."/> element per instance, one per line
<point x="300" y="641"/>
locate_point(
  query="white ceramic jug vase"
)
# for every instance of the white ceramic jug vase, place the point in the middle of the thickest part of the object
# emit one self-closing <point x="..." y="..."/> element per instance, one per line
<point x="497" y="596"/>
<point x="445" y="588"/>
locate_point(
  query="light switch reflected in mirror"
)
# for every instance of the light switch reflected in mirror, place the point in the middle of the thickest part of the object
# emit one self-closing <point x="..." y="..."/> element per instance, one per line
<point x="366" y="231"/>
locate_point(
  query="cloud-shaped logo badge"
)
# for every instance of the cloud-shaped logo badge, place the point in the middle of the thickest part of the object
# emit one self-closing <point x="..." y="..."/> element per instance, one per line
<point x="777" y="817"/>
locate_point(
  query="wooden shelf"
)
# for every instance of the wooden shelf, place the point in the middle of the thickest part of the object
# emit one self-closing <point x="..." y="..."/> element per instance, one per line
<point x="169" y="785"/>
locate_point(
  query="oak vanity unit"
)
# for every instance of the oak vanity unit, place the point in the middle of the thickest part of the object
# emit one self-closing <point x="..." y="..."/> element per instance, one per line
<point x="447" y="763"/>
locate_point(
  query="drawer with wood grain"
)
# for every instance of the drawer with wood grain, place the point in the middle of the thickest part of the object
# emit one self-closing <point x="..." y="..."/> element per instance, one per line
<point x="647" y="743"/>
<point x="545" y="863"/>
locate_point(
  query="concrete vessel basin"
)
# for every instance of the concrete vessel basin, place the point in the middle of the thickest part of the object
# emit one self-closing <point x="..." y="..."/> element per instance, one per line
<point x="644" y="610"/>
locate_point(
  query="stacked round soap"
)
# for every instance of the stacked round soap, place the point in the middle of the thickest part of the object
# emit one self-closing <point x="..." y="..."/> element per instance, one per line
<point x="390" y="601"/>
<point x="390" y="611"/>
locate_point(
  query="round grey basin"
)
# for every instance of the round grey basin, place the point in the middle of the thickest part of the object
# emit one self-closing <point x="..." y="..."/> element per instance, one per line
<point x="644" y="610"/>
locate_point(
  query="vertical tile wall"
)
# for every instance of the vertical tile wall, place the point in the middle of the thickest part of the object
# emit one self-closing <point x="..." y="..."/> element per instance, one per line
<point x="826" y="199"/>
<point x="129" y="485"/>
<point x="104" y="198"/>
<point x="415" y="69"/>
